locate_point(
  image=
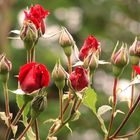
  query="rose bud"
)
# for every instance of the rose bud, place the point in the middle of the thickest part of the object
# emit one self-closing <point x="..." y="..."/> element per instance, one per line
<point x="59" y="75"/>
<point x="29" y="35"/>
<point x="91" y="62"/>
<point x="137" y="69"/>
<point x="66" y="41"/>
<point x="33" y="76"/>
<point x="5" y="68"/>
<point x="78" y="79"/>
<point x="91" y="44"/>
<point x="38" y="105"/>
<point x="119" y="59"/>
<point x="134" y="52"/>
<point x="36" y="15"/>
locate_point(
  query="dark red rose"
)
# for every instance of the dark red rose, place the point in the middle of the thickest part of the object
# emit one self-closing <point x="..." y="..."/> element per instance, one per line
<point x="91" y="44"/>
<point x="78" y="79"/>
<point x="33" y="76"/>
<point x="137" y="69"/>
<point x="37" y="15"/>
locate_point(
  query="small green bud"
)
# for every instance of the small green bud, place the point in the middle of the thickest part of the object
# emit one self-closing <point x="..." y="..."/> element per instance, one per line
<point x="29" y="35"/>
<point x="134" y="52"/>
<point x="91" y="62"/>
<point x="119" y="59"/>
<point x="66" y="41"/>
<point x="38" y="105"/>
<point x="5" y="68"/>
<point x="59" y="75"/>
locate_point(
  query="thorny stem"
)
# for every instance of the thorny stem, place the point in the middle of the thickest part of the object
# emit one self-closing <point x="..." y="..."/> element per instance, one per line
<point x="113" y="106"/>
<point x="14" y="122"/>
<point x="5" y="89"/>
<point x="67" y="120"/>
<point x="61" y="104"/>
<point x="25" y="130"/>
<point x="37" y="130"/>
<point x="132" y="89"/>
<point x="132" y="109"/>
<point x="130" y="134"/>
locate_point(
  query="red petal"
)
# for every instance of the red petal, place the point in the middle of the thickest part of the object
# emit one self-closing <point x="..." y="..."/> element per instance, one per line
<point x="137" y="69"/>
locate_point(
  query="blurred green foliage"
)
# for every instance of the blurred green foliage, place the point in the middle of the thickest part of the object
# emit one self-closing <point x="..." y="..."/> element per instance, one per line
<point x="108" y="20"/>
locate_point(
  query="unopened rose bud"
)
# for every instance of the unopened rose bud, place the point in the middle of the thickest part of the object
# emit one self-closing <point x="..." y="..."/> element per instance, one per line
<point x="119" y="60"/>
<point x="38" y="105"/>
<point x="29" y="35"/>
<point x="5" y="68"/>
<point x="91" y="62"/>
<point x="134" y="52"/>
<point x="59" y="75"/>
<point x="66" y="41"/>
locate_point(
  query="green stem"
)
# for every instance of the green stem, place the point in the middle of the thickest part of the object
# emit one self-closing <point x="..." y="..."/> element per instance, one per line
<point x="6" y="97"/>
<point x="113" y="106"/>
<point x="37" y="130"/>
<point x="61" y="104"/>
<point x="132" y="109"/>
<point x="132" y="89"/>
<point x="14" y="122"/>
<point x="69" y="64"/>
<point x="33" y="54"/>
<point x="25" y="130"/>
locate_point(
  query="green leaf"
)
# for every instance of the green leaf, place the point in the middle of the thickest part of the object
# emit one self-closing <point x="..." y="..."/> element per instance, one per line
<point x="90" y="99"/>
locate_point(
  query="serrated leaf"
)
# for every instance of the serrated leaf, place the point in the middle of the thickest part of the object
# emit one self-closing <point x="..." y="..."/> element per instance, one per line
<point x="103" y="109"/>
<point x="90" y="99"/>
<point x="14" y="129"/>
<point x="67" y="125"/>
<point x="4" y="118"/>
<point x="118" y="111"/>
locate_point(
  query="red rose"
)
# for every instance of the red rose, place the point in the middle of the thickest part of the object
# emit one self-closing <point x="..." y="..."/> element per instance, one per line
<point x="33" y="76"/>
<point x="137" y="69"/>
<point x="78" y="79"/>
<point x="37" y="15"/>
<point x="90" y="44"/>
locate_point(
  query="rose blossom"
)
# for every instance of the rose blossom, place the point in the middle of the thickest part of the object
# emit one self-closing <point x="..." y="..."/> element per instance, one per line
<point x="37" y="15"/>
<point x="33" y="76"/>
<point x="91" y="44"/>
<point x="137" y="69"/>
<point x="78" y="79"/>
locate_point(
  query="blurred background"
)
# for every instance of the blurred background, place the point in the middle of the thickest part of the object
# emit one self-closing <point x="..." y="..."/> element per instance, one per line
<point x="109" y="21"/>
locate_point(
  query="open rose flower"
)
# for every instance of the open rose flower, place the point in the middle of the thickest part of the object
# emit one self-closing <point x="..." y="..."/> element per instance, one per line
<point x="91" y="44"/>
<point x="33" y="76"/>
<point x="78" y="79"/>
<point x="36" y="15"/>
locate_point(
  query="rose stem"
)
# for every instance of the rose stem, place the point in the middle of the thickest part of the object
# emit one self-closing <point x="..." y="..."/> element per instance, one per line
<point x="14" y="122"/>
<point x="113" y="106"/>
<point x="130" y="134"/>
<point x="37" y="130"/>
<point x="25" y="130"/>
<point x="132" y="109"/>
<point x="33" y="54"/>
<point x="6" y="97"/>
<point x="132" y="89"/>
<point x="28" y="56"/>
<point x="69" y="64"/>
<point x="61" y="104"/>
<point x="67" y="120"/>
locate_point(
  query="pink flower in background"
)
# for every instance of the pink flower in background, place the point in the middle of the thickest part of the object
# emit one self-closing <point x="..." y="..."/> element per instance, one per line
<point x="78" y="79"/>
<point x="91" y="44"/>
<point x="37" y="15"/>
<point x="33" y="76"/>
